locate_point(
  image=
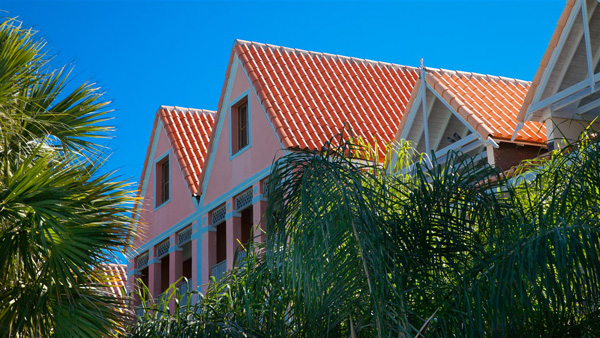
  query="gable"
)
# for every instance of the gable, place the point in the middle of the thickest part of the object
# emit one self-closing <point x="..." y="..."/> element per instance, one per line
<point x="567" y="82"/>
<point x="465" y="111"/>
<point x="310" y="97"/>
<point x="153" y="219"/>
<point x="189" y="132"/>
<point x="433" y="126"/>
<point x="226" y="170"/>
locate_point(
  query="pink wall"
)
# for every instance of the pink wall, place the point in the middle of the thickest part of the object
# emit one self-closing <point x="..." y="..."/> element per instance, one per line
<point x="154" y="222"/>
<point x="264" y="145"/>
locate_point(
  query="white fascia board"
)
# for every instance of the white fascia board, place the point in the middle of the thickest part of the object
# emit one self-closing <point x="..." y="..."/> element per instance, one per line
<point x="587" y="107"/>
<point x="458" y="116"/>
<point x="411" y="116"/>
<point x="464" y="145"/>
<point x="588" y="42"/>
<point x="539" y="105"/>
<point x="554" y="57"/>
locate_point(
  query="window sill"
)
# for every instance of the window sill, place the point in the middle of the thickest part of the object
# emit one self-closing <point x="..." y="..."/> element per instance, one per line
<point x="237" y="153"/>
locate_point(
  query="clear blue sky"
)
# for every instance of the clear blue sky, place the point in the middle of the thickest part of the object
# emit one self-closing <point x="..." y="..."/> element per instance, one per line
<point x="148" y="53"/>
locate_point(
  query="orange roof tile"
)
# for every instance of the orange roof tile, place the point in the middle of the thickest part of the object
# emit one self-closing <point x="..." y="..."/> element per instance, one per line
<point x="309" y="96"/>
<point x="117" y="274"/>
<point x="560" y="26"/>
<point x="189" y="132"/>
<point x="490" y="104"/>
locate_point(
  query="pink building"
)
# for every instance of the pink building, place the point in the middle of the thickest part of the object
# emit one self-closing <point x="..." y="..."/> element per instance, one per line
<point x="202" y="187"/>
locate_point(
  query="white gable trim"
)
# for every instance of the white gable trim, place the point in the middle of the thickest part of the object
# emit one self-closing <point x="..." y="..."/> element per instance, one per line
<point x="554" y="57"/>
<point x="425" y="110"/>
<point x="588" y="42"/>
<point x="455" y="113"/>
<point x="579" y="90"/>
<point x="410" y="118"/>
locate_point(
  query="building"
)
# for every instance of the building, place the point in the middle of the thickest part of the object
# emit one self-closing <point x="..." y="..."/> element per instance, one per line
<point x="564" y="94"/>
<point x="202" y="187"/>
<point x="471" y="113"/>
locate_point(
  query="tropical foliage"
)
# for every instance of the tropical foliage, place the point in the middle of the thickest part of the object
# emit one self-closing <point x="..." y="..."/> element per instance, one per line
<point x="61" y="218"/>
<point x="436" y="250"/>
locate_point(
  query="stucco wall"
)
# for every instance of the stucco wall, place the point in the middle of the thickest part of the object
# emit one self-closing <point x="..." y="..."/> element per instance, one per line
<point x="154" y="221"/>
<point x="228" y="172"/>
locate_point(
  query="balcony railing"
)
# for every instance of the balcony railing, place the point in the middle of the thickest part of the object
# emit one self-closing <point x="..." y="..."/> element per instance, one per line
<point x="218" y="270"/>
<point x="241" y="257"/>
<point x="153" y="304"/>
<point x="184" y="290"/>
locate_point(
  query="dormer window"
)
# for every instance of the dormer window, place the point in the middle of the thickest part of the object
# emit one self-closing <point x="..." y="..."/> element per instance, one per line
<point x="239" y="126"/>
<point x="162" y="181"/>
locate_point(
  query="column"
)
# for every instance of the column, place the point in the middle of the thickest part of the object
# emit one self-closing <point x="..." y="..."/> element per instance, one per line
<point x="259" y="208"/>
<point x="197" y="264"/>
<point x="132" y="277"/>
<point x="233" y="224"/>
<point x="154" y="274"/>
<point x="175" y="260"/>
<point x="209" y="252"/>
<point x="175" y="265"/>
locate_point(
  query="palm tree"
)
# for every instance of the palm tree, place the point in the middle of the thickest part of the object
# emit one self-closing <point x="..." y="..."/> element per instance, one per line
<point x="453" y="249"/>
<point x="61" y="218"/>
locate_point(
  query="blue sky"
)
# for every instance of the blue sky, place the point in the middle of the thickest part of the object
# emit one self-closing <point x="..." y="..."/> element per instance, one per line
<point x="148" y="53"/>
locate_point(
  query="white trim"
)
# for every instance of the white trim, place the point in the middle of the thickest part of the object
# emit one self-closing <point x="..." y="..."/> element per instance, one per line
<point x="425" y="111"/>
<point x="490" y="155"/>
<point x="596" y="59"/>
<point x="440" y="135"/>
<point x="553" y="58"/>
<point x="588" y="43"/>
<point x="429" y="104"/>
<point x="572" y="98"/>
<point x="480" y="156"/>
<point x="587" y="107"/>
<point x="539" y="105"/>
<point x="458" y="145"/>
<point x="458" y="116"/>
<point x="490" y="141"/>
<point x="569" y="58"/>
<point x="411" y="116"/>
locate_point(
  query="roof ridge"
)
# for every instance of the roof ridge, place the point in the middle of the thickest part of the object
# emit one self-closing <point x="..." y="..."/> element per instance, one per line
<point x="188" y="110"/>
<point x="322" y="54"/>
<point x="464" y="73"/>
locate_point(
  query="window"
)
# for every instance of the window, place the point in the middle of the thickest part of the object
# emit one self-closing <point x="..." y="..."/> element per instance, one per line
<point x="239" y="126"/>
<point x="242" y="126"/>
<point x="162" y="181"/>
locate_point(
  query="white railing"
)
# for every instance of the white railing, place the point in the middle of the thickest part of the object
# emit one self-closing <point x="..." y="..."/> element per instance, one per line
<point x="218" y="270"/>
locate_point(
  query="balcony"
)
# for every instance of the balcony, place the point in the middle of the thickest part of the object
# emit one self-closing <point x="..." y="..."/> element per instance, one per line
<point x="184" y="289"/>
<point x="218" y="270"/>
<point x="241" y="258"/>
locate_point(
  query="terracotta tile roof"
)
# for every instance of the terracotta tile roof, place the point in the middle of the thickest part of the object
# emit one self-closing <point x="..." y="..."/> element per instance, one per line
<point x="490" y="104"/>
<point x="309" y="96"/>
<point x="117" y="274"/>
<point x="189" y="132"/>
<point x="560" y="26"/>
